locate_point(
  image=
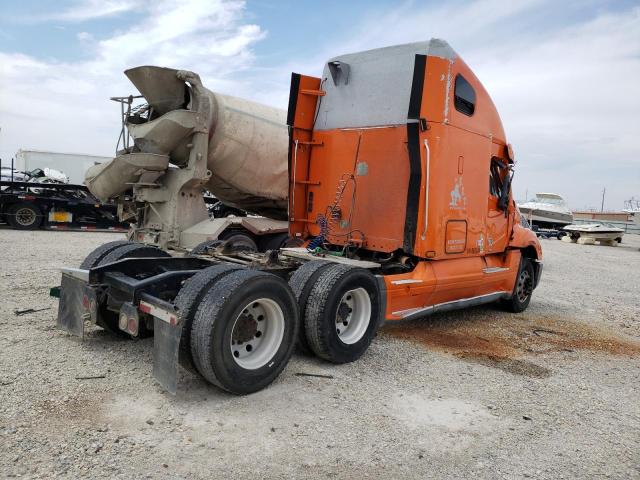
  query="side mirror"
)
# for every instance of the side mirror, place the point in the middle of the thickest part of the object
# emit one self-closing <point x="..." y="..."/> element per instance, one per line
<point x="503" y="201"/>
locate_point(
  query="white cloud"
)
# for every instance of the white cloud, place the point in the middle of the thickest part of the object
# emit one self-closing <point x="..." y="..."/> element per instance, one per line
<point x="84" y="37"/>
<point x="64" y="106"/>
<point x="90" y="9"/>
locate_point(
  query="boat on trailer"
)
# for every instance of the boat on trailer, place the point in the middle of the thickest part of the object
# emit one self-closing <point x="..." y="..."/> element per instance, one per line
<point x="590" y="233"/>
<point x="547" y="210"/>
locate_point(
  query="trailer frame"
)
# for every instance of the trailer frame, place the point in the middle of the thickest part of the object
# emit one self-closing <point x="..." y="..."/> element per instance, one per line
<point x="59" y="206"/>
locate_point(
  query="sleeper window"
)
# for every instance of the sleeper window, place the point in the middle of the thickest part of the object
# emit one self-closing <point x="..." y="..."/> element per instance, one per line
<point x="464" y="96"/>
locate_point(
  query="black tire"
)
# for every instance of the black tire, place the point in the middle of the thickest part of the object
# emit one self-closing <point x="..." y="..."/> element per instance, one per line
<point x="239" y="240"/>
<point x="109" y="319"/>
<point x="132" y="250"/>
<point x="204" y="247"/>
<point x="326" y="305"/>
<point x="523" y="288"/>
<point x="93" y="259"/>
<point x="273" y="241"/>
<point x="24" y="216"/>
<point x="301" y="282"/>
<point x="213" y="330"/>
<point x="188" y="300"/>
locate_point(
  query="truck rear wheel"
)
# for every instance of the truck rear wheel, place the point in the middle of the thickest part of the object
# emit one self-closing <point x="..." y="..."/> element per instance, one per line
<point x="244" y="331"/>
<point x="93" y="259"/>
<point x="132" y="250"/>
<point x="188" y="300"/>
<point x="342" y="313"/>
<point x="301" y="282"/>
<point x="239" y="240"/>
<point x="523" y="288"/>
<point x="24" y="216"/>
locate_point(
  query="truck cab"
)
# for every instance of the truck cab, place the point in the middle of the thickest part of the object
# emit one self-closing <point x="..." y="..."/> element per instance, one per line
<point x="398" y="155"/>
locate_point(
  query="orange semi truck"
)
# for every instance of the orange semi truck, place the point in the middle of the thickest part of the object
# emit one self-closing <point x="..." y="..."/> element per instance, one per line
<point x="399" y="206"/>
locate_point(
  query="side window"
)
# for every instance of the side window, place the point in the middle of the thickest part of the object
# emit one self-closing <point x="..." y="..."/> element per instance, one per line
<point x="464" y="96"/>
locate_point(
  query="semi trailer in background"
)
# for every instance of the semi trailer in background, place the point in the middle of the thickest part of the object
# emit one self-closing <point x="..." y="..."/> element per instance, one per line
<point x="44" y="198"/>
<point x="74" y="165"/>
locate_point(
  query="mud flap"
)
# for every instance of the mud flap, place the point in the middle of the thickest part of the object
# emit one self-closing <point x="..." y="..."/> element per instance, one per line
<point x="166" y="345"/>
<point x="73" y="309"/>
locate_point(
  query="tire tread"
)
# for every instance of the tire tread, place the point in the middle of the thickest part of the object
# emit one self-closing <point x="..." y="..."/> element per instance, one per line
<point x="302" y="282"/>
<point x="188" y="300"/>
<point x="512" y="304"/>
<point x="94" y="258"/>
<point x="207" y="315"/>
<point x="313" y="325"/>
<point x="133" y="250"/>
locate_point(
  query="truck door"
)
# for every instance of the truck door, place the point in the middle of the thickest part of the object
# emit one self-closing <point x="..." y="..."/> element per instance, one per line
<point x="497" y="216"/>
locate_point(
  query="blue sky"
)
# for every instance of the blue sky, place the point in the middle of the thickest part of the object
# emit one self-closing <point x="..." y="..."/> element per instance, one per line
<point x="564" y="75"/>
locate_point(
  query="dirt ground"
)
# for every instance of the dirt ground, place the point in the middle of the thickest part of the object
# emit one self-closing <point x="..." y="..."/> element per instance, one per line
<point x="550" y="393"/>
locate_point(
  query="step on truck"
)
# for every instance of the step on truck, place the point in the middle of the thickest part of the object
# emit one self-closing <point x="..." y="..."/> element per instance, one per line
<point x="395" y="186"/>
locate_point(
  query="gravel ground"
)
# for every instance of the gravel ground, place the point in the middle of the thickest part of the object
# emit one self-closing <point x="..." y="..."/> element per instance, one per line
<point x="550" y="393"/>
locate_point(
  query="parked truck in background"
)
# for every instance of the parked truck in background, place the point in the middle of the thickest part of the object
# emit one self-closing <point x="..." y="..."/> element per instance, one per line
<point x="392" y="173"/>
<point x="44" y="198"/>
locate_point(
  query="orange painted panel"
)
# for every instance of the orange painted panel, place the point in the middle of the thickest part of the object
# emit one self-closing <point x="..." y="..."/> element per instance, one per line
<point x="409" y="290"/>
<point x="456" y="236"/>
<point x="361" y="175"/>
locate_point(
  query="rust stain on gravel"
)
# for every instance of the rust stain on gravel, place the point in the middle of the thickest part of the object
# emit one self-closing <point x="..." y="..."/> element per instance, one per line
<point x="502" y="341"/>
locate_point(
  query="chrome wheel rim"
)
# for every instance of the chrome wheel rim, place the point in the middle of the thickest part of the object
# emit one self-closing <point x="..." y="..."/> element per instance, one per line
<point x="257" y="333"/>
<point x="353" y="315"/>
<point x="25" y="216"/>
<point x="524" y="286"/>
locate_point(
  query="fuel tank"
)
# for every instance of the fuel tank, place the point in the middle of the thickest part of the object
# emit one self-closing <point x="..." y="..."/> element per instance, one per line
<point x="247" y="149"/>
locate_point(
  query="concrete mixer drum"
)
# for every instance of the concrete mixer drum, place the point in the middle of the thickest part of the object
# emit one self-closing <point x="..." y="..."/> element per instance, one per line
<point x="186" y="139"/>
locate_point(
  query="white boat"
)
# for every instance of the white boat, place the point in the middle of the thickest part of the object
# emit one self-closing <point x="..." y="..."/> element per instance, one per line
<point x="590" y="233"/>
<point x="547" y="210"/>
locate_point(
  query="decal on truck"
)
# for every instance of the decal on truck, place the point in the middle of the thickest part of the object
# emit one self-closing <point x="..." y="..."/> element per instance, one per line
<point x="458" y="198"/>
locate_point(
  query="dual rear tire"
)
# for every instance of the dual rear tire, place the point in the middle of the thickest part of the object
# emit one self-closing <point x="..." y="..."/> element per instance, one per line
<point x="244" y="331"/>
<point x="240" y="326"/>
<point x="340" y="310"/>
